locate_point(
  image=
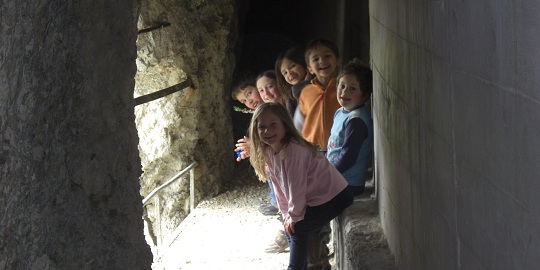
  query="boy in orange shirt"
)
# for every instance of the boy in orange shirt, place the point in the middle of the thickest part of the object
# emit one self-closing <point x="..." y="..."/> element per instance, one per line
<point x="318" y="101"/>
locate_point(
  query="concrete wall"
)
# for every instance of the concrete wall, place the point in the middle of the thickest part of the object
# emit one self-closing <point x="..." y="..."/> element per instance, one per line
<point x="457" y="111"/>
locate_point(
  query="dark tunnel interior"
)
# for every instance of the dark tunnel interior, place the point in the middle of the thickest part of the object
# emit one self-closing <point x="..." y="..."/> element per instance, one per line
<point x="271" y="27"/>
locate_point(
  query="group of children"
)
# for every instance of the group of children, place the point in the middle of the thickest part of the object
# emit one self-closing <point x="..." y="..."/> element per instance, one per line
<point x="311" y="137"/>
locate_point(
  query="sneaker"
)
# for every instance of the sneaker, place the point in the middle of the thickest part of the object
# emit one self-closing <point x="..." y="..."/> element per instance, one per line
<point x="279" y="245"/>
<point x="268" y="210"/>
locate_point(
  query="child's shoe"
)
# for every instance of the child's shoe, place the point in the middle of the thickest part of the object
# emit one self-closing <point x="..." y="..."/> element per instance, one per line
<point x="279" y="245"/>
<point x="268" y="210"/>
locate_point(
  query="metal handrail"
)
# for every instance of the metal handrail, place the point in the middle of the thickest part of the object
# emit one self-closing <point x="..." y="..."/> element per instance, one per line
<point x="162" y="93"/>
<point x="176" y="177"/>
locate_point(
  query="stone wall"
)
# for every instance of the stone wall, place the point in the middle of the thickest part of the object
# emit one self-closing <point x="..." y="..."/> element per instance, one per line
<point x="193" y="124"/>
<point x="69" y="164"/>
<point x="457" y="108"/>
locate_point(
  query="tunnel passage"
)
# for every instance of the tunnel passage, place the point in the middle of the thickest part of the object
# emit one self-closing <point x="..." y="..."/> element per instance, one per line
<point x="211" y="45"/>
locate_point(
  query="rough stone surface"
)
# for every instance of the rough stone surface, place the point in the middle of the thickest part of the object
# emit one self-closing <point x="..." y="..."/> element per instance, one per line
<point x="359" y="240"/>
<point x="69" y="165"/>
<point x="193" y="124"/>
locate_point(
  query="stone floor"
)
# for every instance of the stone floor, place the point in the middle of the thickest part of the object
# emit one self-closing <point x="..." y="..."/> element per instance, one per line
<point x="228" y="232"/>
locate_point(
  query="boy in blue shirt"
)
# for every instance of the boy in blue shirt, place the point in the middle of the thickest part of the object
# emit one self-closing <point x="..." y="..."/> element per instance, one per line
<point x="351" y="138"/>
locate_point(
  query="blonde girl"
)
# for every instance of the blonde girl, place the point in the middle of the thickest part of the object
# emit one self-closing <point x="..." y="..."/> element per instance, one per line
<point x="310" y="192"/>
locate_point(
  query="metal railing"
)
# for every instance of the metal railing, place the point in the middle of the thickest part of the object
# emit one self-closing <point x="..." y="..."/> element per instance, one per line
<point x="162" y="93"/>
<point x="157" y="225"/>
<point x="173" y="179"/>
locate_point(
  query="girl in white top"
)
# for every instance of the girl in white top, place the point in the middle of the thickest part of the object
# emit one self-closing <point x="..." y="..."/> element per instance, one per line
<point x="309" y="190"/>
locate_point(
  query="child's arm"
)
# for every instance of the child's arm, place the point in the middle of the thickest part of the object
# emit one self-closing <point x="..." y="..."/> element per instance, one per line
<point x="288" y="224"/>
<point x="355" y="133"/>
<point x="281" y="200"/>
<point x="278" y="192"/>
<point x="298" y="120"/>
<point x="297" y="89"/>
<point x="296" y="177"/>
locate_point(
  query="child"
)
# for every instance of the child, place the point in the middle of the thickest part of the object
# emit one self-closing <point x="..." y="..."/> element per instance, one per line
<point x="317" y="105"/>
<point x="292" y="71"/>
<point x="292" y="77"/>
<point x="318" y="101"/>
<point x="270" y="92"/>
<point x="246" y="92"/>
<point x="309" y="190"/>
<point x="351" y="138"/>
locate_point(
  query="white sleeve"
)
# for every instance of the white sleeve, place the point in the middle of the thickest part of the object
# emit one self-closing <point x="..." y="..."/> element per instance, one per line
<point x="298" y="119"/>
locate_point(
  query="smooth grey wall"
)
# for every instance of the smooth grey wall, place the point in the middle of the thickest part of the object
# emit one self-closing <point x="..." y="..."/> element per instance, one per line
<point x="457" y="110"/>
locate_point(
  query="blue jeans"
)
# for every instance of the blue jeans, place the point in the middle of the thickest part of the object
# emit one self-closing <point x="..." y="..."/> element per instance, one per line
<point x="273" y="200"/>
<point x="315" y="218"/>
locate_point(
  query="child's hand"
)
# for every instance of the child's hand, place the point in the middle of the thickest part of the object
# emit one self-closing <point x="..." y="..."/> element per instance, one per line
<point x="289" y="225"/>
<point x="243" y="145"/>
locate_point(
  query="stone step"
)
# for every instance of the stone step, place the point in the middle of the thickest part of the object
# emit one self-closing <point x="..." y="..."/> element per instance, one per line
<point x="358" y="236"/>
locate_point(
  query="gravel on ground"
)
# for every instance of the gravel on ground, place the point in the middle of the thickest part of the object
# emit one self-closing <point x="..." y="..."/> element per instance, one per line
<point x="228" y="232"/>
<point x="225" y="232"/>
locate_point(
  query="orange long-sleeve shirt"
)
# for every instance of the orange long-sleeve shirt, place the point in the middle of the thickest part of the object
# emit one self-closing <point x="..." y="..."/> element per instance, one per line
<point x="318" y="106"/>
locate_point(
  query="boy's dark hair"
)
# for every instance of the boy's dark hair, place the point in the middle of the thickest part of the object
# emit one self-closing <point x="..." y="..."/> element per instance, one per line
<point x="316" y="42"/>
<point x="363" y="74"/>
<point x="241" y="86"/>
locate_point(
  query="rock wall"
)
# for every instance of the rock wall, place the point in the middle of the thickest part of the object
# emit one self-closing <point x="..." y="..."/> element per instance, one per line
<point x="69" y="164"/>
<point x="193" y="124"/>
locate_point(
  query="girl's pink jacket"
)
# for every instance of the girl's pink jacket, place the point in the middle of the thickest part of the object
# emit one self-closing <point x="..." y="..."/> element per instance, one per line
<point x="301" y="179"/>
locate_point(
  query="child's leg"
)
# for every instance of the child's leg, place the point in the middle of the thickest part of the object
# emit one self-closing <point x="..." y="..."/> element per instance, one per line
<point x="270" y="208"/>
<point x="317" y="250"/>
<point x="357" y="190"/>
<point x="318" y="216"/>
<point x="315" y="218"/>
<point x="298" y="246"/>
<point x="273" y="200"/>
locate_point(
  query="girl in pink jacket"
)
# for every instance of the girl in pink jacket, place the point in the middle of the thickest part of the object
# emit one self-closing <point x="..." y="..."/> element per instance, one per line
<point x="309" y="190"/>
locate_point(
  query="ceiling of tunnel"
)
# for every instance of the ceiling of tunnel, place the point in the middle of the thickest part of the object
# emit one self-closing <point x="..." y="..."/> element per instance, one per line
<point x="272" y="26"/>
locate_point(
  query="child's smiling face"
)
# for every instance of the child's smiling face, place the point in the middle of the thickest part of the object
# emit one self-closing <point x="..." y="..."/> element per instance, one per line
<point x="292" y="71"/>
<point x="322" y="62"/>
<point x="271" y="129"/>
<point x="249" y="96"/>
<point x="268" y="89"/>
<point x="349" y="94"/>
